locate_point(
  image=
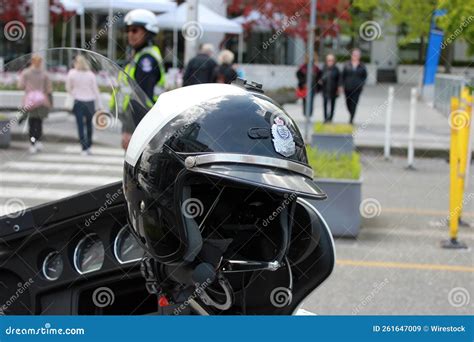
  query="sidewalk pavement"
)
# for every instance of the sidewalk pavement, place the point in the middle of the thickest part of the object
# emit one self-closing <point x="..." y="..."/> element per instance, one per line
<point x="61" y="127"/>
<point x="432" y="128"/>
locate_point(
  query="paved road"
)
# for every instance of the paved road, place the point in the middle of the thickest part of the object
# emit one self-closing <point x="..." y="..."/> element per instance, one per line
<point x="396" y="265"/>
<point x="59" y="171"/>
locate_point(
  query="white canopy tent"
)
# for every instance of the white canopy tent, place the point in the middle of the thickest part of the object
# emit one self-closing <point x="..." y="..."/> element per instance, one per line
<point x="113" y="6"/>
<point x="102" y="6"/>
<point x="208" y="20"/>
<point x="72" y="6"/>
<point x="120" y="7"/>
<point x="260" y="21"/>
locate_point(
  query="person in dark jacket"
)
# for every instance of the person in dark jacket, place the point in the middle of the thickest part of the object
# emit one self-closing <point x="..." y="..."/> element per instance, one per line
<point x="329" y="86"/>
<point x="225" y="72"/>
<point x="353" y="79"/>
<point x="301" y="76"/>
<point x="201" y="68"/>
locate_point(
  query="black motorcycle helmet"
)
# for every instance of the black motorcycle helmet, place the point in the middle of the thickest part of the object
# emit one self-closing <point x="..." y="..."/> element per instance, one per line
<point x="212" y="173"/>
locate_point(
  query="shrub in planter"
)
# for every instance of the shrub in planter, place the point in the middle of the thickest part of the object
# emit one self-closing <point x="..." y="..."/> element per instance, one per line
<point x="339" y="176"/>
<point x="333" y="137"/>
<point x="5" y="135"/>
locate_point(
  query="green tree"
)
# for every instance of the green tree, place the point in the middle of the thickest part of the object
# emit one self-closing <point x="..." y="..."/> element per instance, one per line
<point x="413" y="18"/>
<point x="458" y="23"/>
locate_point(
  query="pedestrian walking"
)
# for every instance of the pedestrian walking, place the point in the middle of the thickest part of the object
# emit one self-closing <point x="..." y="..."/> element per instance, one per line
<point x="224" y="72"/>
<point x="301" y="90"/>
<point x="201" y="68"/>
<point x="330" y="86"/>
<point x="37" y="100"/>
<point x="354" y="76"/>
<point x="81" y="84"/>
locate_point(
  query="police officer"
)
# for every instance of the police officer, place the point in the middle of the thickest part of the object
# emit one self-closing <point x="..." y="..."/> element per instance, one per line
<point x="146" y="66"/>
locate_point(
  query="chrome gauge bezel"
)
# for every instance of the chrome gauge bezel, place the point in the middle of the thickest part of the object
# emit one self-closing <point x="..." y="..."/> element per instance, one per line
<point x="120" y="234"/>
<point x="78" y="249"/>
<point x="45" y="263"/>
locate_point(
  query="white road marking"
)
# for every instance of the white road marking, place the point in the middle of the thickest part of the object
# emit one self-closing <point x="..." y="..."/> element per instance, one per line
<point x="35" y="193"/>
<point x="105" y="151"/>
<point x="45" y="166"/>
<point x="64" y="158"/>
<point x="44" y="179"/>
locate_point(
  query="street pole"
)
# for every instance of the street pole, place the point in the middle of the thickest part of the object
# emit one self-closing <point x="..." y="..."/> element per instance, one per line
<point x="191" y="45"/>
<point x="40" y="26"/>
<point x="411" y="129"/>
<point x="110" y="33"/>
<point x="83" y="31"/>
<point x="309" y="70"/>
<point x="388" y="123"/>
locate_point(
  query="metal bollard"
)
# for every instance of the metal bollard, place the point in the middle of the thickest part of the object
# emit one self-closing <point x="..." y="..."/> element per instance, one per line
<point x="457" y="170"/>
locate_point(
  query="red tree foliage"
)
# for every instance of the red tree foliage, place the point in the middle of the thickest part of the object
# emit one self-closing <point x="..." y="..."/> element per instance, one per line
<point x="21" y="9"/>
<point x="13" y="10"/>
<point x="330" y="13"/>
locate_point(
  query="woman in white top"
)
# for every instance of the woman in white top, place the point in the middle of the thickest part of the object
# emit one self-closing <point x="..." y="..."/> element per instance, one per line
<point x="81" y="84"/>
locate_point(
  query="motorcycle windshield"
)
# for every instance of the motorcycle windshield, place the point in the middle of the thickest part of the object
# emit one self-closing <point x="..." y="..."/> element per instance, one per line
<point x="61" y="120"/>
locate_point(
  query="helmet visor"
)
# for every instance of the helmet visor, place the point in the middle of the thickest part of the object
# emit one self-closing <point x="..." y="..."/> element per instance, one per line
<point x="272" y="173"/>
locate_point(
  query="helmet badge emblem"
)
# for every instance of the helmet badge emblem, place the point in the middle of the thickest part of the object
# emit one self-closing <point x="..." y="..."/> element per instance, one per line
<point x="282" y="138"/>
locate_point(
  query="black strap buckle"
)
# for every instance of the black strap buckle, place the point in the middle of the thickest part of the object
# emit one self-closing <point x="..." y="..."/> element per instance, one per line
<point x="148" y="268"/>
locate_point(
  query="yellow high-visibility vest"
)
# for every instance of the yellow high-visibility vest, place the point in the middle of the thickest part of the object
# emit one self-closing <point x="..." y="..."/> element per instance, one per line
<point x="123" y="95"/>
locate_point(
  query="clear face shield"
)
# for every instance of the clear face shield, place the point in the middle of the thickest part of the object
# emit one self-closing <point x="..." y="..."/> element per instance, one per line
<point x="70" y="90"/>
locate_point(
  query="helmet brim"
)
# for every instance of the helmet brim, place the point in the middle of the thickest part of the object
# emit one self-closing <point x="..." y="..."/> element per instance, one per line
<point x="274" y="179"/>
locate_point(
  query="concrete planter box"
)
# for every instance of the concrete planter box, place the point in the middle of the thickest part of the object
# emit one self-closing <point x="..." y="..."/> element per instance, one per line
<point x="335" y="143"/>
<point x="5" y="134"/>
<point x="341" y="208"/>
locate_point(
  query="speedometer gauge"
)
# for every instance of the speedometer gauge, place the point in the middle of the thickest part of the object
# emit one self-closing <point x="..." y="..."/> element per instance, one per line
<point x="126" y="247"/>
<point x="53" y="266"/>
<point x="89" y="254"/>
